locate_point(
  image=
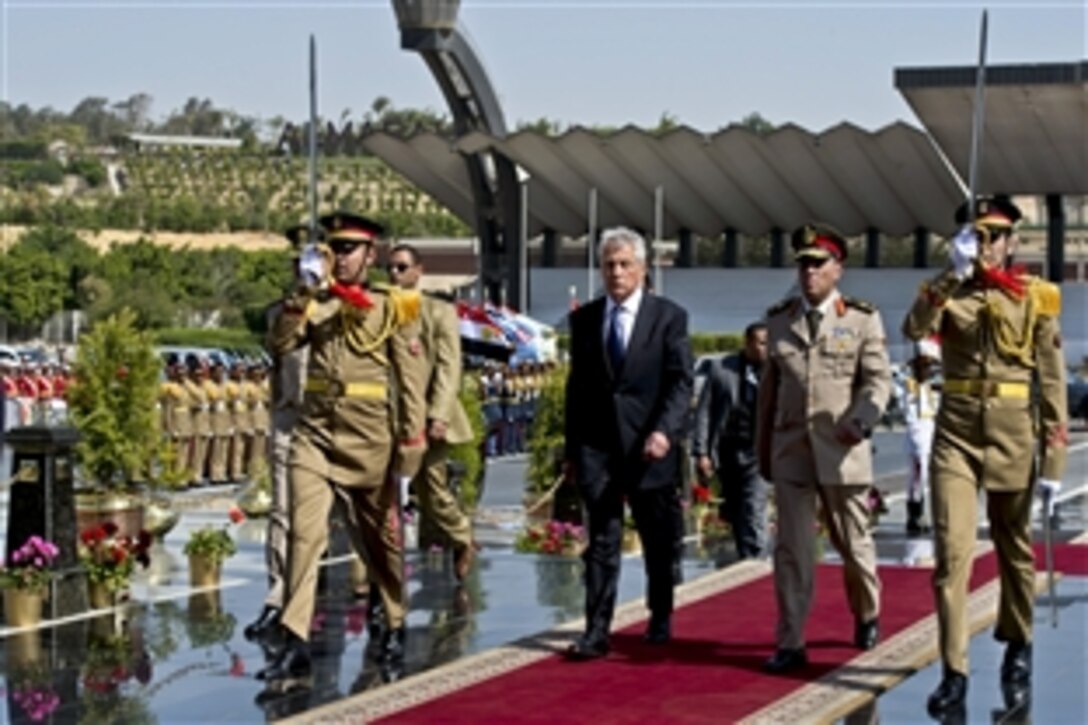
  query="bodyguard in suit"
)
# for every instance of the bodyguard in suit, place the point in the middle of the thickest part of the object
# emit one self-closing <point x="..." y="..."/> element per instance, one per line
<point x="724" y="439"/>
<point x="824" y="386"/>
<point x="628" y="393"/>
<point x="447" y="422"/>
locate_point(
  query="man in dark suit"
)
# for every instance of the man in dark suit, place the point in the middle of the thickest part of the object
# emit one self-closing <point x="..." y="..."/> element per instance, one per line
<point x="628" y="394"/>
<point x="724" y="439"/>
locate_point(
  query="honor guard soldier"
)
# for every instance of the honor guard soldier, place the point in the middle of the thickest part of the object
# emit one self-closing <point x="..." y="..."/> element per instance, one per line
<point x="259" y="398"/>
<point x="219" y="400"/>
<point x="176" y="408"/>
<point x="241" y="421"/>
<point x="1001" y="426"/>
<point x="201" y="416"/>
<point x="921" y="398"/>
<point x="361" y="428"/>
<point x="824" y="386"/>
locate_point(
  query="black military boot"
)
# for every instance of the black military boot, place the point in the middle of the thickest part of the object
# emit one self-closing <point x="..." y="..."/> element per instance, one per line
<point x="375" y="614"/>
<point x="292" y="663"/>
<point x="264" y="624"/>
<point x="915" y="510"/>
<point x="391" y="654"/>
<point x="1016" y="667"/>
<point x="950" y="695"/>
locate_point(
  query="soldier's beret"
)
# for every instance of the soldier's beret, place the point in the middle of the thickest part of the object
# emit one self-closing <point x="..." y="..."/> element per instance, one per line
<point x="342" y="226"/>
<point x="192" y="361"/>
<point x="171" y="359"/>
<point x="299" y="234"/>
<point x="818" y="241"/>
<point x="997" y="212"/>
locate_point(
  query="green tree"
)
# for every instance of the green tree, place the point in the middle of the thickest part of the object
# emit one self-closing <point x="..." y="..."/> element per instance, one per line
<point x="32" y="285"/>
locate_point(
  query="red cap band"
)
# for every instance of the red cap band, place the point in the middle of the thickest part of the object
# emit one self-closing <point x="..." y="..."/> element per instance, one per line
<point x="828" y="244"/>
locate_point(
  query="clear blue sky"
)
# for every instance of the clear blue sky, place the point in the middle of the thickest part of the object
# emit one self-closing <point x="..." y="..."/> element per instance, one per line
<point x="595" y="62"/>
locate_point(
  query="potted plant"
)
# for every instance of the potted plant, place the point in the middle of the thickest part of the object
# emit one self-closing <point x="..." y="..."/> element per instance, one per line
<point x="110" y="559"/>
<point x="25" y="581"/>
<point x="31" y="688"/>
<point x="207" y="547"/>
<point x="112" y="404"/>
<point x="554" y="538"/>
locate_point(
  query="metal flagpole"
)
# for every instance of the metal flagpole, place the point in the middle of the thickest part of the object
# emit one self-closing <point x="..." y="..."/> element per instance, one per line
<point x="591" y="242"/>
<point x="523" y="272"/>
<point x="659" y="231"/>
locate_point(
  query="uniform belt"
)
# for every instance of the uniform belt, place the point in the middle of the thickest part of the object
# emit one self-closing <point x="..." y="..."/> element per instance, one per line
<point x="337" y="388"/>
<point x="987" y="389"/>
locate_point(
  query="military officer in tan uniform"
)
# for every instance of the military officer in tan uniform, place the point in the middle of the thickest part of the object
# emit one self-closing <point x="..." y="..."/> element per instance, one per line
<point x="241" y="421"/>
<point x="201" y="417"/>
<point x="824" y="386"/>
<point x="361" y="428"/>
<point x="175" y="406"/>
<point x="447" y="423"/>
<point x="999" y="334"/>
<point x="259" y="397"/>
<point x="218" y="394"/>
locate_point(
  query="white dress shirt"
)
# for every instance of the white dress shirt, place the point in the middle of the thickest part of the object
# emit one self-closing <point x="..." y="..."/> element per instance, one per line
<point x="626" y="316"/>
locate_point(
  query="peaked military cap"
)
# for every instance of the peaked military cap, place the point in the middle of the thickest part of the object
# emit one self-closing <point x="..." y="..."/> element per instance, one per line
<point x="992" y="211"/>
<point x="342" y="225"/>
<point x="818" y="241"/>
<point x="299" y="234"/>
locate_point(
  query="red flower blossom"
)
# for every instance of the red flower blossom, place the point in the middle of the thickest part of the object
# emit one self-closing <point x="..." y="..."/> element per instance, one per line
<point x="109" y="528"/>
<point x="700" y="494"/>
<point x="236" y="515"/>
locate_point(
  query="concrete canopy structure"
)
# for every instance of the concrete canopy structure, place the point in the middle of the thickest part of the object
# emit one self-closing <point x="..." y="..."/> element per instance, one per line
<point x="1035" y="139"/>
<point x="891" y="180"/>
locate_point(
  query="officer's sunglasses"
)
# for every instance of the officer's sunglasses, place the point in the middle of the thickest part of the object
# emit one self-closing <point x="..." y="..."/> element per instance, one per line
<point x="398" y="268"/>
<point x="815" y="262"/>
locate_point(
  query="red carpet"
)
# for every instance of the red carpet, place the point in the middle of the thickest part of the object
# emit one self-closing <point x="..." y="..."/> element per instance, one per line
<point x="1069" y="559"/>
<point x="711" y="672"/>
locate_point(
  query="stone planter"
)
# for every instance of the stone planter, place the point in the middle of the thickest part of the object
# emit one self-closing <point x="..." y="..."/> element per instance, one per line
<point x="204" y="571"/>
<point x="94" y="508"/>
<point x="159" y="516"/>
<point x="255" y="501"/>
<point x="23" y="607"/>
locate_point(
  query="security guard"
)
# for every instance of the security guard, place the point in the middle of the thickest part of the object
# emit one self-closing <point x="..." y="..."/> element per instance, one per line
<point x="824" y="386"/>
<point x="361" y="426"/>
<point x="999" y="340"/>
<point x="447" y="422"/>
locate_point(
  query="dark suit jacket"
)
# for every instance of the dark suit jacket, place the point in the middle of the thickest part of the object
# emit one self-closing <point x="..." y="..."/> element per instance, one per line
<point x="610" y="413"/>
<point x="716" y="401"/>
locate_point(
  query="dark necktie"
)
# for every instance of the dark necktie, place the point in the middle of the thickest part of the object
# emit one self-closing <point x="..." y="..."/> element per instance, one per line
<point x="616" y="351"/>
<point x="813" y="316"/>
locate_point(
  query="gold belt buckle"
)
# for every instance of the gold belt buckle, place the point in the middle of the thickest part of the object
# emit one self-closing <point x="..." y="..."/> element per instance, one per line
<point x="335" y="388"/>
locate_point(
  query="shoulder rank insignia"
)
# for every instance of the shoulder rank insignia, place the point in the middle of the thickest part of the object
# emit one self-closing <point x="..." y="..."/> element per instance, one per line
<point x="1047" y="297"/>
<point x="862" y="305"/>
<point x="781" y="306"/>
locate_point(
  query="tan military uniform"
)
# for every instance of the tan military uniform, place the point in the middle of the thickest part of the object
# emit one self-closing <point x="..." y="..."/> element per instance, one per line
<point x="988" y="434"/>
<point x="202" y="429"/>
<point x="242" y="423"/>
<point x="441" y="339"/>
<point x="177" y="417"/>
<point x="222" y="429"/>
<point x="260" y="396"/>
<point x="810" y="385"/>
<point x="362" y="415"/>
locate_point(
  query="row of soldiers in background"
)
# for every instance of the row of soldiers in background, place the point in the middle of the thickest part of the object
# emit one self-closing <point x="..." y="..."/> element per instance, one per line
<point x="37" y="391"/>
<point x="218" y="422"/>
<point x="509" y="395"/>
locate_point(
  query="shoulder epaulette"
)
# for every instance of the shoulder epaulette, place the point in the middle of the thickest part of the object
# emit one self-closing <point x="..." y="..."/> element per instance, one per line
<point x="866" y="307"/>
<point x="406" y="304"/>
<point x="438" y="295"/>
<point x="781" y="306"/>
<point x="1047" y="297"/>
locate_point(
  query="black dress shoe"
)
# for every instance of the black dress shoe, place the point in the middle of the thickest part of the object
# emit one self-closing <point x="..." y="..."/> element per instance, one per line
<point x="375" y="614"/>
<point x="265" y="623"/>
<point x="292" y="663"/>
<point x="786" y="660"/>
<point x="1016" y="666"/>
<point x="949" y="696"/>
<point x="659" y="631"/>
<point x="587" y="648"/>
<point x="867" y="634"/>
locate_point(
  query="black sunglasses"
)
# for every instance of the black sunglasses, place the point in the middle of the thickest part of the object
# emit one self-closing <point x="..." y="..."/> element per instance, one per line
<point x="399" y="268"/>
<point x="816" y="262"/>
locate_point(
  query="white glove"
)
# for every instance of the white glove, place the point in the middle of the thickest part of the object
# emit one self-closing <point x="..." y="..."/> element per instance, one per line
<point x="964" y="252"/>
<point x="1048" y="491"/>
<point x="405" y="483"/>
<point x="311" y="266"/>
